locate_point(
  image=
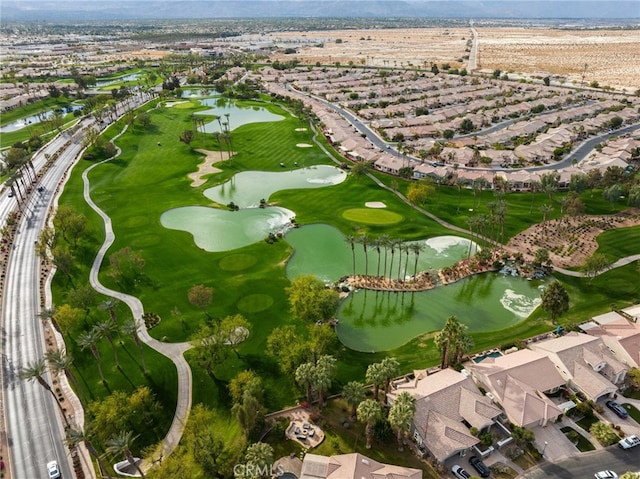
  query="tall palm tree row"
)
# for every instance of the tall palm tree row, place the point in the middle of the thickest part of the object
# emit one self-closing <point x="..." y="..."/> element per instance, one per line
<point x="386" y="266"/>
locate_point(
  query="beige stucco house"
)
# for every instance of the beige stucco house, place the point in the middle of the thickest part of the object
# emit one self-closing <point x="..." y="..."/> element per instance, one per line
<point x="353" y="466"/>
<point x="585" y="362"/>
<point x="519" y="382"/>
<point x="620" y="331"/>
<point x="448" y="404"/>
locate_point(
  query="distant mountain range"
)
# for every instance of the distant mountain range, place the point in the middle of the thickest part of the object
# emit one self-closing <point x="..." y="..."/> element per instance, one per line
<point x="108" y="10"/>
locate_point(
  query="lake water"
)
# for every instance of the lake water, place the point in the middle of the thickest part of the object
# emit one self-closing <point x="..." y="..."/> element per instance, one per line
<point x="237" y="116"/>
<point x="247" y="188"/>
<point x="213" y="229"/>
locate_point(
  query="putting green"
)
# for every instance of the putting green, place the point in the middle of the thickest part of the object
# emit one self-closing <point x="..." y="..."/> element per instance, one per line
<point x="237" y="262"/>
<point x="372" y="216"/>
<point x="254" y="303"/>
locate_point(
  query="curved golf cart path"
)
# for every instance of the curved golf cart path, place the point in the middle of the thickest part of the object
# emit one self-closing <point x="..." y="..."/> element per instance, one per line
<point x="174" y="351"/>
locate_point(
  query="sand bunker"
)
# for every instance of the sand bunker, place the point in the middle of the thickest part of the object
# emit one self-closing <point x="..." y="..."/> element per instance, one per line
<point x="206" y="167"/>
<point x="304" y="145"/>
<point x="174" y="103"/>
<point x="301" y="129"/>
<point x="375" y="204"/>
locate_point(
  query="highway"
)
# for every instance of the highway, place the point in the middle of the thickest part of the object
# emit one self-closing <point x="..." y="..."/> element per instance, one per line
<point x="34" y="427"/>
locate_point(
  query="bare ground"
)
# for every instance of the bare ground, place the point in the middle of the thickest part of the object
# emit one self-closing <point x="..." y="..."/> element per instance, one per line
<point x="570" y="240"/>
<point x="612" y="57"/>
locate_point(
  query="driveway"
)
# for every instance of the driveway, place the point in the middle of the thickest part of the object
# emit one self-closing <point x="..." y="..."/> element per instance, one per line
<point x="553" y="442"/>
<point x="628" y="425"/>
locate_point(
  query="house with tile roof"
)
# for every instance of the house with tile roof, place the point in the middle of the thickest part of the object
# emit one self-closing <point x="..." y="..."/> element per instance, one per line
<point x="520" y="382"/>
<point x="448" y="404"/>
<point x="353" y="466"/>
<point x="585" y="362"/>
<point x="620" y="331"/>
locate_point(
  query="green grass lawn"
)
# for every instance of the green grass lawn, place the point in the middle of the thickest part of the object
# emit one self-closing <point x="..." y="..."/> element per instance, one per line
<point x="633" y="411"/>
<point x="147" y="180"/>
<point x="583" y="444"/>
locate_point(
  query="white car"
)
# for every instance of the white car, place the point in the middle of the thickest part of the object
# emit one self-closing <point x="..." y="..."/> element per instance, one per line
<point x="629" y="442"/>
<point x="54" y="471"/>
<point x="605" y="475"/>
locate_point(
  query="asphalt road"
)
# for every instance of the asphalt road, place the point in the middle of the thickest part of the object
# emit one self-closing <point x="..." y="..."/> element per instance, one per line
<point x="586" y="465"/>
<point x="34" y="428"/>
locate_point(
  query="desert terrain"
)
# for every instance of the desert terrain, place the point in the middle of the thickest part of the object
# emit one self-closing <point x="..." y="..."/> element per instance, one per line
<point x="612" y="57"/>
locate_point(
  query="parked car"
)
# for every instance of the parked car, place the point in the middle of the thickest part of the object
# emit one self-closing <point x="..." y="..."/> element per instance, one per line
<point x="53" y="470"/>
<point x="479" y="466"/>
<point x="618" y="409"/>
<point x="605" y="475"/>
<point x="460" y="473"/>
<point x="629" y="442"/>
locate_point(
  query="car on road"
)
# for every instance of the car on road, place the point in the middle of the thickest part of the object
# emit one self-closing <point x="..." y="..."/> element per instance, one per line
<point x="605" y="475"/>
<point x="479" y="466"/>
<point x="53" y="470"/>
<point x="618" y="409"/>
<point x="460" y="473"/>
<point x="629" y="442"/>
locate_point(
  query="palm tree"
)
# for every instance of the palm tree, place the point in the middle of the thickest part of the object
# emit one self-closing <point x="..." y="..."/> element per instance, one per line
<point x="49" y="314"/>
<point x="354" y="393"/>
<point x="364" y="240"/>
<point x="375" y="375"/>
<point x="304" y="376"/>
<point x="110" y="305"/>
<point x="36" y="370"/>
<point x="546" y="209"/>
<point x="417" y="249"/>
<point x="375" y="242"/>
<point x="369" y="411"/>
<point x="60" y="362"/>
<point x="407" y="249"/>
<point x="130" y="328"/>
<point x="352" y="242"/>
<point x="324" y="371"/>
<point x="454" y="341"/>
<point x="105" y="328"/>
<point x="89" y="339"/>
<point x="401" y="248"/>
<point x="392" y="244"/>
<point x="401" y="415"/>
<point x="120" y="444"/>
<point x="390" y="367"/>
<point x="385" y="242"/>
<point x="76" y="435"/>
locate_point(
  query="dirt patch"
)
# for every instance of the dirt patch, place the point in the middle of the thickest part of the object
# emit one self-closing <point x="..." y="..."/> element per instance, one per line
<point x="206" y="167"/>
<point x="610" y="56"/>
<point x="569" y="240"/>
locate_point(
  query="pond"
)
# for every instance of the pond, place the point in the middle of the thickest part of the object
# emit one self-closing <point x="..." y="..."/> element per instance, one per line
<point x="111" y="81"/>
<point x="227" y="111"/>
<point x="371" y="321"/>
<point x="221" y="230"/>
<point x="323" y="251"/>
<point x="35" y="119"/>
<point x="247" y="188"/>
<point x="379" y="321"/>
